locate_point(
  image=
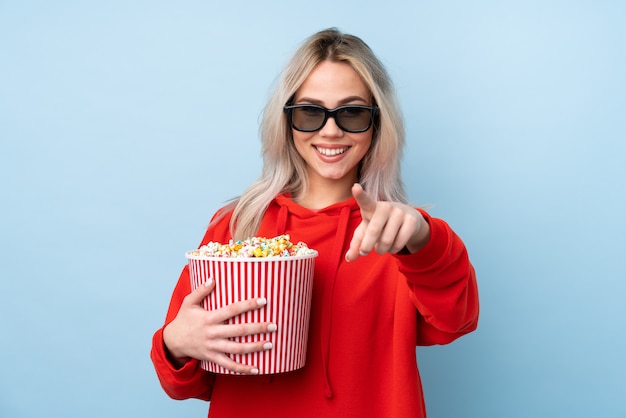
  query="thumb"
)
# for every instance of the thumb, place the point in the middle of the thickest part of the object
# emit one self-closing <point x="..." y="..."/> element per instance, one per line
<point x="355" y="244"/>
<point x="197" y="296"/>
<point x="365" y="201"/>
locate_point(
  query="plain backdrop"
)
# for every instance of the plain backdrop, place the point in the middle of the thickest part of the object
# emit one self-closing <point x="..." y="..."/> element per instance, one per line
<point x="125" y="124"/>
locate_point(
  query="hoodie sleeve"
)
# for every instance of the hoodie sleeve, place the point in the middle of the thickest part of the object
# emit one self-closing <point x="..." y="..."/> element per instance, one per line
<point x="443" y="286"/>
<point x="189" y="381"/>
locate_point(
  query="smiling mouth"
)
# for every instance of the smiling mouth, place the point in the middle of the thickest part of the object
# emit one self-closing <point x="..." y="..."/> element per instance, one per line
<point x="331" y="152"/>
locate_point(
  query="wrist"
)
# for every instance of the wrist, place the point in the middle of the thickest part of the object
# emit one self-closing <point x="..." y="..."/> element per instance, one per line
<point x="177" y="359"/>
<point x="420" y="238"/>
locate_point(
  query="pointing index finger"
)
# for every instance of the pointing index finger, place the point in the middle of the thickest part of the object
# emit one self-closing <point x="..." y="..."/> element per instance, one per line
<point x="366" y="202"/>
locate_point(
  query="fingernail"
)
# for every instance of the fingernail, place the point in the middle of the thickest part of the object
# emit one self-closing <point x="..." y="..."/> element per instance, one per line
<point x="272" y="327"/>
<point x="267" y="346"/>
<point x="254" y="371"/>
<point x="209" y="282"/>
<point x="261" y="301"/>
<point x="362" y="253"/>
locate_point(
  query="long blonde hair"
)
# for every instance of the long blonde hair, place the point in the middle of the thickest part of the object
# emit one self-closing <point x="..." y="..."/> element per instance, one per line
<point x="283" y="168"/>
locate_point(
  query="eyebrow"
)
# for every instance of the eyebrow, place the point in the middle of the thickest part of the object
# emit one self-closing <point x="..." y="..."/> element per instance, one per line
<point x="343" y="101"/>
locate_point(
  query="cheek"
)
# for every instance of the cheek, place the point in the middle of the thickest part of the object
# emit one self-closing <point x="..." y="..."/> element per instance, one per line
<point x="364" y="143"/>
<point x="300" y="140"/>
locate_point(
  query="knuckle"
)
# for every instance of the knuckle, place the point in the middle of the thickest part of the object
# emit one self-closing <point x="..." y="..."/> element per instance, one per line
<point x="396" y="248"/>
<point x="374" y="225"/>
<point x="239" y="330"/>
<point x="385" y="242"/>
<point x="239" y="348"/>
<point x="211" y="334"/>
<point x="234" y="309"/>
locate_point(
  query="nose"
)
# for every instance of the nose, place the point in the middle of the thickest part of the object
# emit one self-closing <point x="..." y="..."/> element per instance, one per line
<point x="330" y="129"/>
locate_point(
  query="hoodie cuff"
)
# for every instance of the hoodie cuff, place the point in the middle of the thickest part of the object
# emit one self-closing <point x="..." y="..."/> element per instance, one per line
<point x="432" y="253"/>
<point x="165" y="369"/>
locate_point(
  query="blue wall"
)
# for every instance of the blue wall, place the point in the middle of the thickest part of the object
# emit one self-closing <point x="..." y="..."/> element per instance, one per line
<point x="125" y="124"/>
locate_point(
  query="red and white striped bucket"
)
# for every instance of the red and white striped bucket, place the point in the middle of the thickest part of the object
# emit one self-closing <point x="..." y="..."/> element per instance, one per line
<point x="286" y="283"/>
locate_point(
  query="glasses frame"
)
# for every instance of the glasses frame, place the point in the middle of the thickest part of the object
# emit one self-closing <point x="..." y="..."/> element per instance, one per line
<point x="330" y="113"/>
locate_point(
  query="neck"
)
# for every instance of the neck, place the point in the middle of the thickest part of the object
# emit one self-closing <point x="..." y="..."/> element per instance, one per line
<point x="323" y="195"/>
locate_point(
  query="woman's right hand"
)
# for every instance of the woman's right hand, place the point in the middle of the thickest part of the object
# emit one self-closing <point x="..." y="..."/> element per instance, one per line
<point x="205" y="335"/>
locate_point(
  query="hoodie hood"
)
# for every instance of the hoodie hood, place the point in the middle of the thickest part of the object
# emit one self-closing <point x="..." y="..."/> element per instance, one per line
<point x="327" y="231"/>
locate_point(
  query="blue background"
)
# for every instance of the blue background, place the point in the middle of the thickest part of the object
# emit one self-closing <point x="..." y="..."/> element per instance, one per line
<point x="125" y="124"/>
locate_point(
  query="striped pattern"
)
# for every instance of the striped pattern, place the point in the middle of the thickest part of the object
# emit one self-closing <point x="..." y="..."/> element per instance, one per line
<point x="286" y="283"/>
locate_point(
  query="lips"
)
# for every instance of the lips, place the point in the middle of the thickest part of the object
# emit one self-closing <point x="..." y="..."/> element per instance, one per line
<point x="331" y="152"/>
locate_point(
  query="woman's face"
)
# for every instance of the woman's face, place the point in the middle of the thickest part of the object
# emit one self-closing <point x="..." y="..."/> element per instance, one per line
<point x="331" y="154"/>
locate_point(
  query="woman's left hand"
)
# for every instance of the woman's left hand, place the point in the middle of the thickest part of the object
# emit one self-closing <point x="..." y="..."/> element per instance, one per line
<point x="387" y="227"/>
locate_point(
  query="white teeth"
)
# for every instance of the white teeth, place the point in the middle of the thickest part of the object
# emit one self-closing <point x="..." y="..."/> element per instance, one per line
<point x="331" y="152"/>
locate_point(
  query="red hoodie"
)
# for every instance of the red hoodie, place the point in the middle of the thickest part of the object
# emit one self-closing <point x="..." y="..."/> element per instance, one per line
<point x="367" y="317"/>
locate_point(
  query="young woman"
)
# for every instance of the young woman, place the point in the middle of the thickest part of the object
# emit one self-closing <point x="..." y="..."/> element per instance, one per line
<point x="388" y="276"/>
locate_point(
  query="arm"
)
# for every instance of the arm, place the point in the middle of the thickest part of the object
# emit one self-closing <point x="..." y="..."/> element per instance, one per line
<point x="431" y="257"/>
<point x="443" y="286"/>
<point x="189" y="380"/>
<point x="191" y="332"/>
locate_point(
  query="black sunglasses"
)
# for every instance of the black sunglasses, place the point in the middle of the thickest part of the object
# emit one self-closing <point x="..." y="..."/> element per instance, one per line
<point x="349" y="118"/>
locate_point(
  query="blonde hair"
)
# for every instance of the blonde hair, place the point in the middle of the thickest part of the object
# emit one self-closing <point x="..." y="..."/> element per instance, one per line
<point x="284" y="171"/>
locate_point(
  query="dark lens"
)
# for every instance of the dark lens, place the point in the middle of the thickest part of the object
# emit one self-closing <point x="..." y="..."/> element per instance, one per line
<point x="307" y="118"/>
<point x="352" y="118"/>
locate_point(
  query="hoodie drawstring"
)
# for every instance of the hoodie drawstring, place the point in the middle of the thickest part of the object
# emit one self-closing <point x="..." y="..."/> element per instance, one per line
<point x="327" y="313"/>
<point x="330" y="275"/>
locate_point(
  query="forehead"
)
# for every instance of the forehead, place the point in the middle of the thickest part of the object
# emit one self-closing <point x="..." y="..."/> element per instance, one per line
<point x="333" y="82"/>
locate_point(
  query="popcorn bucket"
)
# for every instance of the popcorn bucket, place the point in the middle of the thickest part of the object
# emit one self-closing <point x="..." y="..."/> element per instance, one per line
<point x="286" y="283"/>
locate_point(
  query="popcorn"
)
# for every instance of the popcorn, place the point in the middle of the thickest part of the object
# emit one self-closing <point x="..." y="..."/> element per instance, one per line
<point x="279" y="246"/>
